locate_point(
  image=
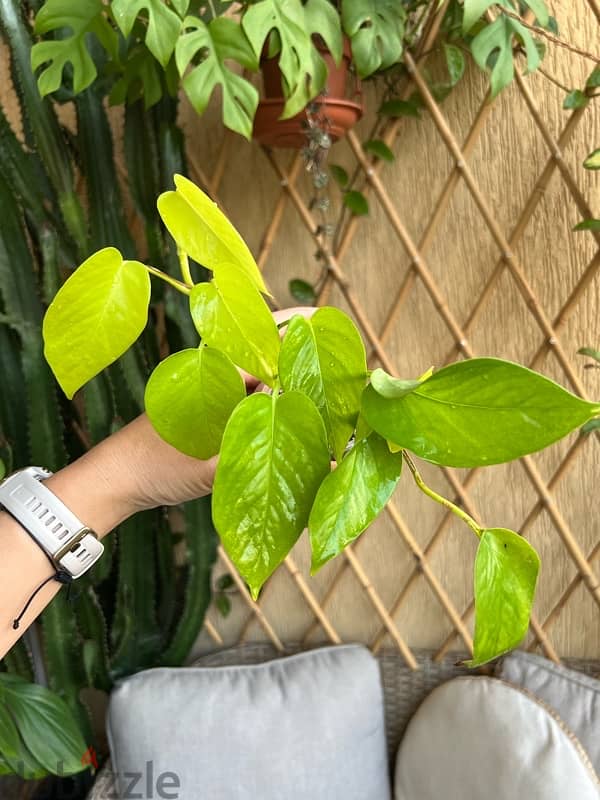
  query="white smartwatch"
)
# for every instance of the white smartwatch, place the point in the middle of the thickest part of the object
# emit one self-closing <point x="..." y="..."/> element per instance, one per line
<point x="71" y="546"/>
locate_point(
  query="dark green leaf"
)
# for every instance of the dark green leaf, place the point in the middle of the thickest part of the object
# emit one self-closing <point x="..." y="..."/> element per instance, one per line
<point x="231" y="315"/>
<point x="223" y="604"/>
<point x="588" y="225"/>
<point x="390" y="387"/>
<point x="593" y="160"/>
<point x="506" y="570"/>
<point x="47" y="727"/>
<point x="209" y="49"/>
<point x="455" y="61"/>
<point x="575" y="99"/>
<point x="302" y="291"/>
<point x="552" y="26"/>
<point x="225" y="582"/>
<point x="17" y="758"/>
<point x="190" y="397"/>
<point x="592" y="425"/>
<point x="356" y="202"/>
<point x="351" y="497"/>
<point x="478" y="412"/>
<point x="379" y="149"/>
<point x="339" y="175"/>
<point x="273" y="459"/>
<point x="324" y="357"/>
<point x="400" y="108"/>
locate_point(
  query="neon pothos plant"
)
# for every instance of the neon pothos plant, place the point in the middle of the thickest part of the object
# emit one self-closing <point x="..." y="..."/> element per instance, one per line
<point x="274" y="475"/>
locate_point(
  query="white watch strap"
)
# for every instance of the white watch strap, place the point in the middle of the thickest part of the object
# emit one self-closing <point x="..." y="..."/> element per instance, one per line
<point x="72" y="546"/>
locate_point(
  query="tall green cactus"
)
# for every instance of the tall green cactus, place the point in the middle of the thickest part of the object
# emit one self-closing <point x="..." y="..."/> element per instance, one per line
<point x="123" y="615"/>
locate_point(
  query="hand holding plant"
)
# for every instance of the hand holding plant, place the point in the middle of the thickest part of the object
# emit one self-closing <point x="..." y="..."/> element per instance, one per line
<point x="273" y="476"/>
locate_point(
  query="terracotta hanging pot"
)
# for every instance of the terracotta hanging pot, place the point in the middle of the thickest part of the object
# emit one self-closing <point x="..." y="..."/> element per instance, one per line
<point x="342" y="106"/>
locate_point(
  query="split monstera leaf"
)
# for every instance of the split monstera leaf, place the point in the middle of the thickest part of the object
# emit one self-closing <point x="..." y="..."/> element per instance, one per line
<point x="274" y="476"/>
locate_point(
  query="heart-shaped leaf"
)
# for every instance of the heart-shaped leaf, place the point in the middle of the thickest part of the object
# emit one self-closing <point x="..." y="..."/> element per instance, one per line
<point x="231" y="315"/>
<point x="210" y="48"/>
<point x="351" y="497"/>
<point x="506" y="570"/>
<point x="203" y="232"/>
<point x="189" y="398"/>
<point x="96" y="315"/>
<point x="324" y="357"/>
<point x="46" y="726"/>
<point x="273" y="459"/>
<point x="478" y="412"/>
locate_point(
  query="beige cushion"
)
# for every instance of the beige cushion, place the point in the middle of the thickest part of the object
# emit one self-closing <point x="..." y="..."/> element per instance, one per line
<point x="574" y="696"/>
<point x="476" y="738"/>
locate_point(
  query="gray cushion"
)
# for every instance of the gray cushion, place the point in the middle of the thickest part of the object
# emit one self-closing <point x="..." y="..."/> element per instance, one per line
<point x="307" y="726"/>
<point x="476" y="738"/>
<point x="574" y="696"/>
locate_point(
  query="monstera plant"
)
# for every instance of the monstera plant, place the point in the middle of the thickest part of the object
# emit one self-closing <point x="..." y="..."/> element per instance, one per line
<point x="319" y="405"/>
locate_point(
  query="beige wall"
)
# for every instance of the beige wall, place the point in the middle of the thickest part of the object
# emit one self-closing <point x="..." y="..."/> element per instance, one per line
<point x="507" y="159"/>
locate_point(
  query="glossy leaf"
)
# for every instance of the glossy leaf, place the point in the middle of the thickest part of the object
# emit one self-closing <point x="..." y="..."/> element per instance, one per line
<point x="478" y="412"/>
<point x="96" y="315"/>
<point x="81" y="19"/>
<point x="506" y="570"/>
<point x="496" y="40"/>
<point x="379" y="149"/>
<point x="273" y="459"/>
<point x="324" y="357"/>
<point x="46" y="726"/>
<point x="203" y="232"/>
<point x="376" y="31"/>
<point x="588" y="225"/>
<point x="209" y="49"/>
<point x="351" y="497"/>
<point x="162" y="30"/>
<point x="357" y="203"/>
<point x="190" y="397"/>
<point x="302" y="291"/>
<point x="390" y="387"/>
<point x="231" y="315"/>
<point x="593" y="160"/>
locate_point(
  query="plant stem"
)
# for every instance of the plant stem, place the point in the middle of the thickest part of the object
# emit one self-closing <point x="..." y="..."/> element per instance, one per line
<point x="184" y="265"/>
<point x="181" y="287"/>
<point x="477" y="529"/>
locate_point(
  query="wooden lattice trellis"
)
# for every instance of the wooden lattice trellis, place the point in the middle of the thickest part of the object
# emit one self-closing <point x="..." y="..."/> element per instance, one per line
<point x="550" y="327"/>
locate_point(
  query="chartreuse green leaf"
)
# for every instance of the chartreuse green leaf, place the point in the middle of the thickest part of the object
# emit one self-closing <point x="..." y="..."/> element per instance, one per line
<point x="46" y="725"/>
<point x="376" y="29"/>
<point x="203" y="232"/>
<point x="351" y="497"/>
<point x="230" y="314"/>
<point x="273" y="459"/>
<point x="208" y="47"/>
<point x="81" y="18"/>
<point x="163" y="26"/>
<point x="189" y="398"/>
<point x="478" y="412"/>
<point x="506" y="570"/>
<point x="324" y="357"/>
<point x="96" y="315"/>
<point x="593" y="160"/>
<point x="497" y="40"/>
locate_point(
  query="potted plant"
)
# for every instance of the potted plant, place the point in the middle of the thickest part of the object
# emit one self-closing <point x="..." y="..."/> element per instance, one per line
<point x="274" y="475"/>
